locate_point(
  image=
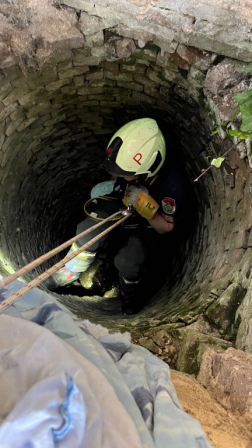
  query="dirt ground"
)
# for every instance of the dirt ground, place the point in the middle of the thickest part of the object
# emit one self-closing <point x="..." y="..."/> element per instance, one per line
<point x="223" y="429"/>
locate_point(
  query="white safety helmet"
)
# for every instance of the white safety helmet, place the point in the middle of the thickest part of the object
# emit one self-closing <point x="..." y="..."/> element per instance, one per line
<point x="136" y="148"/>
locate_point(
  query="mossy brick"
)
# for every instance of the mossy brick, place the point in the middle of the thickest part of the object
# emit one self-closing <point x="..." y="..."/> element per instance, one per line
<point x="78" y="80"/>
<point x="46" y="77"/>
<point x="15" y="95"/>
<point x="143" y="97"/>
<point x="175" y="78"/>
<point x="112" y="67"/>
<point x="191" y="349"/>
<point x="122" y="100"/>
<point x="131" y="85"/>
<point x="64" y="65"/>
<point x="70" y="88"/>
<point x="62" y="111"/>
<point x="152" y="92"/>
<point x="26" y="123"/>
<point x="5" y="89"/>
<point x="50" y="109"/>
<point x="100" y="97"/>
<point x="38" y="109"/>
<point x="12" y="72"/>
<point x="158" y="78"/>
<point x="139" y="69"/>
<point x="40" y="121"/>
<point x="58" y="84"/>
<point x="8" y="111"/>
<point x="13" y="126"/>
<point x="31" y="96"/>
<point x="97" y="83"/>
<point x="121" y="76"/>
<point x="61" y="55"/>
<point x="90" y="91"/>
<point x="94" y="74"/>
<point x="222" y="311"/>
<point x="61" y="98"/>
<point x="75" y="71"/>
<point x="89" y="60"/>
<point x="142" y="79"/>
<point x="95" y="40"/>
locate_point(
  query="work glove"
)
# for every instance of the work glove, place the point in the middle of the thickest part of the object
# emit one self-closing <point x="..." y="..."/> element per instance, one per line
<point x="139" y="198"/>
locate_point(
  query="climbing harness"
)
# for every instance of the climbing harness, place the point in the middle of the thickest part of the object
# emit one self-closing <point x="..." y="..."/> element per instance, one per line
<point x="17" y="295"/>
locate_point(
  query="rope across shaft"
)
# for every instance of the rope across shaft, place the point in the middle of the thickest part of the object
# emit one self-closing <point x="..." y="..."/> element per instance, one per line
<point x="50" y="254"/>
<point x="17" y="295"/>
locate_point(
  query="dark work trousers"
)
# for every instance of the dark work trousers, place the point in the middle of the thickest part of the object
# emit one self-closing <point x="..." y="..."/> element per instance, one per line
<point x="137" y="253"/>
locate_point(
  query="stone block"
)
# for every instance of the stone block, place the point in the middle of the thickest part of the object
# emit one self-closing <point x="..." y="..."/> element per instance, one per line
<point x="5" y="89"/>
<point x="94" y="74"/>
<point x="90" y="91"/>
<point x="31" y="96"/>
<point x="55" y="120"/>
<point x="103" y="131"/>
<point x="120" y="77"/>
<point x="142" y="79"/>
<point x="158" y="78"/>
<point x="130" y="85"/>
<point x="143" y="97"/>
<point x="38" y="109"/>
<point x="149" y="344"/>
<point x="125" y="47"/>
<point x="64" y="97"/>
<point x="7" y="111"/>
<point x="175" y="78"/>
<point x="26" y="123"/>
<point x="74" y="71"/>
<point x="198" y="58"/>
<point x="64" y="65"/>
<point x="112" y="67"/>
<point x="222" y="312"/>
<point x="95" y="40"/>
<point x="151" y="91"/>
<point x="78" y="80"/>
<point x="92" y="24"/>
<point x="70" y="88"/>
<point x="15" y="95"/>
<point x="138" y="69"/>
<point x="48" y="76"/>
<point x="193" y="346"/>
<point x="13" y="126"/>
<point x="57" y="84"/>
<point x="89" y="60"/>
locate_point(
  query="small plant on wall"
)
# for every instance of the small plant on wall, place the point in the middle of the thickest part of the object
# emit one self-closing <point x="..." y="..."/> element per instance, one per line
<point x="244" y="100"/>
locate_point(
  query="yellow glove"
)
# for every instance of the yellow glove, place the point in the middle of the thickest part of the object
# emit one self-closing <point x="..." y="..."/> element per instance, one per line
<point x="139" y="198"/>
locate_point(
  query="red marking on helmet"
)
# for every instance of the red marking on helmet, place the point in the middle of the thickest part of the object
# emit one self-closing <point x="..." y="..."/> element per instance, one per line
<point x="109" y="150"/>
<point x="137" y="158"/>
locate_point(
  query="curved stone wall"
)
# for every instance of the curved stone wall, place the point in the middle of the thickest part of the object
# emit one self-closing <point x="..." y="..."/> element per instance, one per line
<point x="73" y="72"/>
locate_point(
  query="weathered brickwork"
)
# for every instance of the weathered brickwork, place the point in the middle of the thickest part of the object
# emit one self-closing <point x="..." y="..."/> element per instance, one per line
<point x="56" y="120"/>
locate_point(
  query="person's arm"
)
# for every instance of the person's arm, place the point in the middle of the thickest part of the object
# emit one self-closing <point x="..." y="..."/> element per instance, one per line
<point x="160" y="224"/>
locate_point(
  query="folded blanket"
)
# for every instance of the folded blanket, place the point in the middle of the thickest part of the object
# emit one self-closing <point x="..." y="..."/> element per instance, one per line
<point x="82" y="384"/>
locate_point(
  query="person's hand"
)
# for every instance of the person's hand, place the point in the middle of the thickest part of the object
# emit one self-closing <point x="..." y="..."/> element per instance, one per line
<point x="139" y="198"/>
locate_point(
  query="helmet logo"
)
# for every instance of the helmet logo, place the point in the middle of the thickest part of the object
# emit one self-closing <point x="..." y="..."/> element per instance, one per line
<point x="137" y="158"/>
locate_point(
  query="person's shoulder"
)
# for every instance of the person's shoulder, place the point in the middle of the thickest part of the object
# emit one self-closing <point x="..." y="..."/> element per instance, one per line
<point x="173" y="175"/>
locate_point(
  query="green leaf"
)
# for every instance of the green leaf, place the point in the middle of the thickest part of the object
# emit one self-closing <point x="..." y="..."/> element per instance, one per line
<point x="244" y="98"/>
<point x="208" y="157"/>
<point x="217" y="162"/>
<point x="246" y="125"/>
<point x="203" y="170"/>
<point x="248" y="69"/>
<point x="226" y="122"/>
<point x="239" y="134"/>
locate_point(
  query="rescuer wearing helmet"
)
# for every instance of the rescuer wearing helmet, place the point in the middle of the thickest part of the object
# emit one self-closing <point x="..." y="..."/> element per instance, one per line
<point x="135" y="155"/>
